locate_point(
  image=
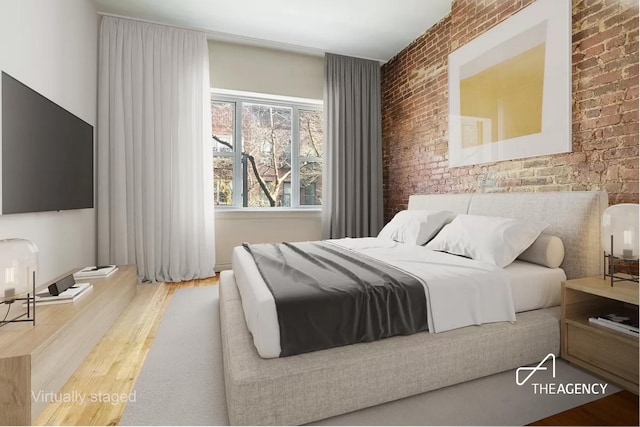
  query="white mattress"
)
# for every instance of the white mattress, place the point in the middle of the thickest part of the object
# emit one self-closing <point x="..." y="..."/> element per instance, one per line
<point x="532" y="287"/>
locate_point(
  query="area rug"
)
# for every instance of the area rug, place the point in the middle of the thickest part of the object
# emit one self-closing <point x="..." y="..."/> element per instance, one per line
<point x="182" y="383"/>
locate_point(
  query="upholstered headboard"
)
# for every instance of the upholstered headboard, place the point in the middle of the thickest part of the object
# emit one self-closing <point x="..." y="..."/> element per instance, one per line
<point x="574" y="216"/>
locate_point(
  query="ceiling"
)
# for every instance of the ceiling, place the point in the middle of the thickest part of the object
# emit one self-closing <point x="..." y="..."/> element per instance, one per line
<point x="372" y="29"/>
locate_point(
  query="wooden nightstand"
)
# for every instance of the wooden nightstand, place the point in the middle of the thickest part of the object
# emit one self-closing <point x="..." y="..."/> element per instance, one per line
<point x="605" y="352"/>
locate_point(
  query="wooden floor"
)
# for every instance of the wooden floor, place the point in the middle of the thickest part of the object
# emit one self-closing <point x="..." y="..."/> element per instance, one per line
<point x="111" y="369"/>
<point x="619" y="409"/>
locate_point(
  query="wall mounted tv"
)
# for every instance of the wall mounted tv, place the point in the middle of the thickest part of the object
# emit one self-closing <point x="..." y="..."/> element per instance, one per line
<point x="47" y="153"/>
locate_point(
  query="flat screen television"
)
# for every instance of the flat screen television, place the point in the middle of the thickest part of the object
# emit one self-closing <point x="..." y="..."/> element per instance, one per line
<point x="47" y="153"/>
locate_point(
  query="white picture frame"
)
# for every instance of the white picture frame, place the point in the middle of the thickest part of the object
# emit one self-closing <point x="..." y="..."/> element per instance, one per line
<point x="544" y="25"/>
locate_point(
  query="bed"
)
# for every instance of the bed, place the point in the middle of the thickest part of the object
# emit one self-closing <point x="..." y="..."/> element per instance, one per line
<point x="312" y="386"/>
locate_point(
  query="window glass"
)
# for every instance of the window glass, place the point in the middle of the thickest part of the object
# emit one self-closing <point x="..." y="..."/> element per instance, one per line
<point x="272" y="158"/>
<point x="222" y="114"/>
<point x="223" y="180"/>
<point x="311" y="146"/>
<point x="222" y="130"/>
<point x="266" y="138"/>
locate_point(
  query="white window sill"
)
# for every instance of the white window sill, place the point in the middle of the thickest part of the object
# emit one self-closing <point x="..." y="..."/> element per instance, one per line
<point x="267" y="213"/>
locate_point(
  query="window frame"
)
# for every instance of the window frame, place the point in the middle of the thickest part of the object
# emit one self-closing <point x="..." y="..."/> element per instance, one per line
<point x="296" y="105"/>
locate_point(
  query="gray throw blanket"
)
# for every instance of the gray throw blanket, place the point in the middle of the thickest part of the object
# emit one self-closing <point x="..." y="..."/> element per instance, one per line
<point x="327" y="296"/>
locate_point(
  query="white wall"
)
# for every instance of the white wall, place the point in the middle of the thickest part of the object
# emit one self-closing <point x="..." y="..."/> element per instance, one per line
<point x="234" y="227"/>
<point x="275" y="72"/>
<point x="262" y="70"/>
<point x="51" y="46"/>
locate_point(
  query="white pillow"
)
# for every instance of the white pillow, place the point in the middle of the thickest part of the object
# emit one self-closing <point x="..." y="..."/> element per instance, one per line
<point x="415" y="226"/>
<point x="486" y="238"/>
<point x="547" y="250"/>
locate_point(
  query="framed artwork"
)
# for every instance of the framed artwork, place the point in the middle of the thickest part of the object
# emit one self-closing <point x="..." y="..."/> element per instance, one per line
<point x="510" y="88"/>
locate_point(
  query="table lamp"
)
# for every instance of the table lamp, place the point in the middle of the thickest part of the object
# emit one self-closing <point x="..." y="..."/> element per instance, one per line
<point x="18" y="266"/>
<point x="620" y="235"/>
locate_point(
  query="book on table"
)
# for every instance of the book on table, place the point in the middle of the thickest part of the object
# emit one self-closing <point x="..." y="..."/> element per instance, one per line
<point x="70" y="294"/>
<point x="626" y="323"/>
<point x="95" y="272"/>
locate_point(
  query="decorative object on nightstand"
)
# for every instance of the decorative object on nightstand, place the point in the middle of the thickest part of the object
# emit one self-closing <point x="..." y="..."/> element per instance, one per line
<point x="18" y="266"/>
<point x="620" y="240"/>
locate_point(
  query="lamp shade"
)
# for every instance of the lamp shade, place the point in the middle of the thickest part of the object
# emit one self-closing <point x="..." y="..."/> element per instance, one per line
<point x="621" y="222"/>
<point x="18" y="261"/>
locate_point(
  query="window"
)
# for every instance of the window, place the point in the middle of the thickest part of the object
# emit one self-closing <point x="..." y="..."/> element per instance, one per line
<point x="266" y="152"/>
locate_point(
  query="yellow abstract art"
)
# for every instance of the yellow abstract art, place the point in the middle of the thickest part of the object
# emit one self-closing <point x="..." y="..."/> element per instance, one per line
<point x="510" y="88"/>
<point x="506" y="97"/>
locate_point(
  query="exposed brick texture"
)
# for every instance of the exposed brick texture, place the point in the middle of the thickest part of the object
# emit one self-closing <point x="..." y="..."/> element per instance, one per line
<point x="605" y="109"/>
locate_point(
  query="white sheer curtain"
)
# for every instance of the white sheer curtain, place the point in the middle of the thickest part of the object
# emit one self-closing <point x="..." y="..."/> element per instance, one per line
<point x="155" y="172"/>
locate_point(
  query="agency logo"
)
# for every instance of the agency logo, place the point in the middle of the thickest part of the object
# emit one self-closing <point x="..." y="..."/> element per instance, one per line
<point x="554" y="388"/>
<point x="539" y="367"/>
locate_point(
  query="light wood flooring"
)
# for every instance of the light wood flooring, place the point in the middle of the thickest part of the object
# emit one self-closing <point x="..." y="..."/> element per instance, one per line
<point x="113" y="365"/>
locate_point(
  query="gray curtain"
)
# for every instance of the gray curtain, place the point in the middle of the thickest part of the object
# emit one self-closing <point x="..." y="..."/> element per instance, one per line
<point x="352" y="188"/>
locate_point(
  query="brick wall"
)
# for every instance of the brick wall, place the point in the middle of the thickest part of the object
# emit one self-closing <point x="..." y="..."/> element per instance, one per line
<point x="605" y="109"/>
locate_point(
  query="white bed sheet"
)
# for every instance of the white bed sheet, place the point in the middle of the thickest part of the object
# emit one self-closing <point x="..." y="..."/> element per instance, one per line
<point x="450" y="285"/>
<point x="459" y="291"/>
<point x="534" y="286"/>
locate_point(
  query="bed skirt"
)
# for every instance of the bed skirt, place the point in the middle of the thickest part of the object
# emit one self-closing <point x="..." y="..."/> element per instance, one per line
<point x="309" y="387"/>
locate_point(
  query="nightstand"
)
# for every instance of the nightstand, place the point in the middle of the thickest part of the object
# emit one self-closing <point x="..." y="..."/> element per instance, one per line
<point x="603" y="351"/>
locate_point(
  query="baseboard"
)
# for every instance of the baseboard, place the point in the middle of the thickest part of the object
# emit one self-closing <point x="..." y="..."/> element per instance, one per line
<point x="222" y="267"/>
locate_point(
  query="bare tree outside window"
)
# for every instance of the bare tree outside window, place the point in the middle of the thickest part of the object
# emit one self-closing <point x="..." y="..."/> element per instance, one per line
<point x="266" y="137"/>
<point x="271" y="156"/>
<point x="311" y="152"/>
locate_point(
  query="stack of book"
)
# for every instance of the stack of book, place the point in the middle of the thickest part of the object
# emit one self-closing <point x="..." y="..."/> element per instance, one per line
<point x="69" y="295"/>
<point x="95" y="272"/>
<point x="619" y="322"/>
